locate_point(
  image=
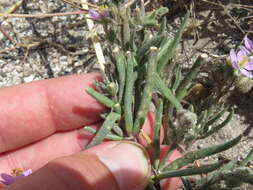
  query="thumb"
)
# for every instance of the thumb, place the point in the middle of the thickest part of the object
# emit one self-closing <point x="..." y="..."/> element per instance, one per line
<point x="112" y="165"/>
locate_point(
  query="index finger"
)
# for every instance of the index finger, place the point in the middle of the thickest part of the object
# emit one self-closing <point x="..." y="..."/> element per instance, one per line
<point x="33" y="111"/>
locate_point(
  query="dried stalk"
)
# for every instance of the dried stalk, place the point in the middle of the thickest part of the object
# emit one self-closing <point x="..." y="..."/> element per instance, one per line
<point x="96" y="43"/>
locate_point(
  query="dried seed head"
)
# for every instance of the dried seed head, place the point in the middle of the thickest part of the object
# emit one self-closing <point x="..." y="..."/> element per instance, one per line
<point x="243" y="84"/>
<point x="186" y="118"/>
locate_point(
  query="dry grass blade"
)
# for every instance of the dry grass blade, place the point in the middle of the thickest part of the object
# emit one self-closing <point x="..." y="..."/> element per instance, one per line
<point x="41" y="15"/>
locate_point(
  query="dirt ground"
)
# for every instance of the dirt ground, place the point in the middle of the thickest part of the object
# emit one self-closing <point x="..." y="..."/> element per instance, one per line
<point x="58" y="46"/>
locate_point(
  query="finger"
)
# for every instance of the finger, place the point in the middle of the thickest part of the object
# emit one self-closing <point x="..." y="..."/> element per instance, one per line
<point x="175" y="182"/>
<point x="36" y="155"/>
<point x="147" y="134"/>
<point x="33" y="111"/>
<point x="111" y="165"/>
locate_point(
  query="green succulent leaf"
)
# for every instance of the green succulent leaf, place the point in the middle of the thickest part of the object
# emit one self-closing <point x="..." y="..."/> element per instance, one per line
<point x="192" y="156"/>
<point x="181" y="90"/>
<point x="121" y="68"/>
<point x="104" y="130"/>
<point x="100" y="98"/>
<point x="189" y="171"/>
<point x="147" y="91"/>
<point x="155" y="41"/>
<point x="166" y="92"/>
<point x="248" y="159"/>
<point x="168" y="50"/>
<point x="218" y="127"/>
<point x="129" y="88"/>
<point x="214" y="177"/>
<point x="108" y="136"/>
<point x="158" y="124"/>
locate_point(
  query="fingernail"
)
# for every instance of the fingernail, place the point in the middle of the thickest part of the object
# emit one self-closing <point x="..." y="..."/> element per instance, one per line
<point x="128" y="162"/>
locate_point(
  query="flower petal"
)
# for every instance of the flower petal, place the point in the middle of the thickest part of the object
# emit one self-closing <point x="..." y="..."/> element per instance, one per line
<point x="241" y="55"/>
<point x="249" y="66"/>
<point x="246" y="73"/>
<point x="27" y="172"/>
<point x="95" y="14"/>
<point x="248" y="43"/>
<point x="8" y="179"/>
<point x="235" y="65"/>
<point x="233" y="56"/>
<point x="245" y="50"/>
<point x="6" y="176"/>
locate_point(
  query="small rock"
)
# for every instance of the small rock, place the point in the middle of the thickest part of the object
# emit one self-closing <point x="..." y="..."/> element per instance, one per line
<point x="29" y="78"/>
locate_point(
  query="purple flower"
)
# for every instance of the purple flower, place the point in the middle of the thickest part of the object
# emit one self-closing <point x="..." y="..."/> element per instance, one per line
<point x="9" y="179"/>
<point x="248" y="44"/>
<point x="99" y="15"/>
<point x="242" y="60"/>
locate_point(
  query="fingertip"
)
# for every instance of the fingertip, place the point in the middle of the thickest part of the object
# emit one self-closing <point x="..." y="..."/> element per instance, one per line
<point x="71" y="106"/>
<point x="128" y="162"/>
<point x="38" y="109"/>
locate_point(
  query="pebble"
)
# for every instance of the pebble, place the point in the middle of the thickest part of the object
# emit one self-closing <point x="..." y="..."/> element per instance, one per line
<point x="29" y="78"/>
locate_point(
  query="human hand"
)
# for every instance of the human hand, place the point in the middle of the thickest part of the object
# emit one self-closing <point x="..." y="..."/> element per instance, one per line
<point x="43" y="120"/>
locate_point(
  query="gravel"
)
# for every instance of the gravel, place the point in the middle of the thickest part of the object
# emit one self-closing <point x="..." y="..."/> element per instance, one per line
<point x="58" y="45"/>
